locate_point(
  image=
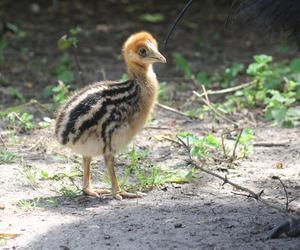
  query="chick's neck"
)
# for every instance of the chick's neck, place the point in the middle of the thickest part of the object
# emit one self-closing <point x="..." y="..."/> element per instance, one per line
<point x="146" y="78"/>
<point x="143" y="73"/>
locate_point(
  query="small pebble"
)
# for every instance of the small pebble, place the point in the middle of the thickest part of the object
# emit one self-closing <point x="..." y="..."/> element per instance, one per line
<point x="179" y="225"/>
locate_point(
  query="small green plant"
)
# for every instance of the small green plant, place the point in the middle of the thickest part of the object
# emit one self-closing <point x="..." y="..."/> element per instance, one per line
<point x="29" y="205"/>
<point x="134" y="156"/>
<point x="69" y="40"/>
<point x="7" y="156"/>
<point x="245" y="142"/>
<point x="183" y="65"/>
<point x="21" y="122"/>
<point x="16" y="94"/>
<point x="146" y="175"/>
<point x="31" y="173"/>
<point x="60" y="92"/>
<point x="152" y="177"/>
<point x="152" y="18"/>
<point x="276" y="89"/>
<point x="228" y="78"/>
<point x="64" y="69"/>
<point x="210" y="146"/>
<point x="60" y="175"/>
<point x="69" y="191"/>
<point x="52" y="202"/>
<point x="201" y="147"/>
<point x="203" y="78"/>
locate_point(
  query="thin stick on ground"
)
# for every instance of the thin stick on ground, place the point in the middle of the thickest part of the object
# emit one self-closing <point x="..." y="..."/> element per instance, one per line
<point x="208" y="103"/>
<point x="223" y="144"/>
<point x="175" y="111"/>
<point x="250" y="193"/>
<point x="285" y="192"/>
<point x="236" y="143"/>
<point x="225" y="91"/>
<point x="271" y="144"/>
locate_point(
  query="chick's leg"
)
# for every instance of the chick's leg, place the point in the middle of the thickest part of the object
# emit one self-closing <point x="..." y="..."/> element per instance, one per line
<point x="116" y="191"/>
<point x="87" y="184"/>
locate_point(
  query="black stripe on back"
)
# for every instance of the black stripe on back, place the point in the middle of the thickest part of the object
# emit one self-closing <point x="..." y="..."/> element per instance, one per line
<point x="103" y="110"/>
<point x="85" y="105"/>
<point x="79" y="93"/>
<point x="117" y="116"/>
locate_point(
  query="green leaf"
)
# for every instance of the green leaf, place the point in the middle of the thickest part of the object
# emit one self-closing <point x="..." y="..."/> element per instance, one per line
<point x="212" y="141"/>
<point x="63" y="43"/>
<point x="66" y="76"/>
<point x="279" y="114"/>
<point x="263" y="59"/>
<point x="246" y="136"/>
<point x="152" y="18"/>
<point x="16" y="94"/>
<point x="203" y="78"/>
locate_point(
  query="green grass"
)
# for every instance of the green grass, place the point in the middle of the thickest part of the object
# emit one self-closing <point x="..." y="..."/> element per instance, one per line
<point x="145" y="176"/>
<point x="152" y="18"/>
<point x="69" y="191"/>
<point x="17" y="121"/>
<point x="7" y="157"/>
<point x="29" y="205"/>
<point x="211" y="147"/>
<point x="31" y="174"/>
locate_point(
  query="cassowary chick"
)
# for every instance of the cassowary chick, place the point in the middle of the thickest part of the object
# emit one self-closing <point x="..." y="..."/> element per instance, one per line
<point x="103" y="118"/>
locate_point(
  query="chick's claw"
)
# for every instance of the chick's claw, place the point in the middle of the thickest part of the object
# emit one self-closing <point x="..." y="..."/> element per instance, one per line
<point x="123" y="194"/>
<point x="96" y="192"/>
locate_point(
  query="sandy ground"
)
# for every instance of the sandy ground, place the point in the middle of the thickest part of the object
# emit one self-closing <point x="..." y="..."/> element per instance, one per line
<point x="199" y="215"/>
<point x="202" y="214"/>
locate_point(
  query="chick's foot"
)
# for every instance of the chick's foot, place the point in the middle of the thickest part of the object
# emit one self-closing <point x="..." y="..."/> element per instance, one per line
<point x="123" y="194"/>
<point x="96" y="192"/>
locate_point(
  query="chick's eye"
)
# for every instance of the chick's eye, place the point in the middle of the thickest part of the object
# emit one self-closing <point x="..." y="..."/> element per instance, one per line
<point x="142" y="52"/>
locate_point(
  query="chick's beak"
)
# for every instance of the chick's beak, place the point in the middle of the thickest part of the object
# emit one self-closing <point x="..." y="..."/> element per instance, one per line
<point x="157" y="56"/>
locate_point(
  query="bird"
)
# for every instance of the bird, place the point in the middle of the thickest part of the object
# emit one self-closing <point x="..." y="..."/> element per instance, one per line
<point x="102" y="118"/>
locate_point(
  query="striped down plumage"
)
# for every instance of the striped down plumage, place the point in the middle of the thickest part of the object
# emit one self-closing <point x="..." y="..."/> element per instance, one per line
<point x="102" y="118"/>
<point x="92" y="118"/>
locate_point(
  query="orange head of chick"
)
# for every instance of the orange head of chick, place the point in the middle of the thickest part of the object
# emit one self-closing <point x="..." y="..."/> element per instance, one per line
<point x="140" y="50"/>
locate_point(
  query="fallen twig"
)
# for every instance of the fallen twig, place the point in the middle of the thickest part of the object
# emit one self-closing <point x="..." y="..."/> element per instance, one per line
<point x="173" y="110"/>
<point x="236" y="143"/>
<point x="270" y="144"/>
<point x="207" y="102"/>
<point x="157" y="127"/>
<point x="225" y="91"/>
<point x="250" y="193"/>
<point x="285" y="192"/>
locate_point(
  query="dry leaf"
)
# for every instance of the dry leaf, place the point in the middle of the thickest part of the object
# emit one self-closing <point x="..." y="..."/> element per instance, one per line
<point x="8" y="235"/>
<point x="279" y="165"/>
